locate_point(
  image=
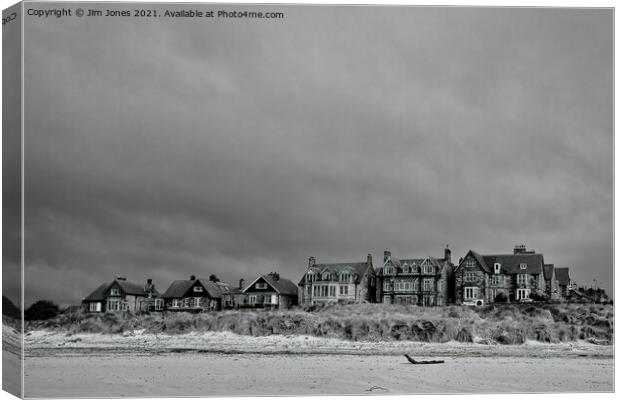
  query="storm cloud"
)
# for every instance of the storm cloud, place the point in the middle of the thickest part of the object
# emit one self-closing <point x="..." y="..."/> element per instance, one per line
<point x="160" y="148"/>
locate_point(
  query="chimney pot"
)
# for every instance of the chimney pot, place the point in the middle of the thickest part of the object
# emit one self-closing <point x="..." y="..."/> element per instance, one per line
<point x="192" y="277"/>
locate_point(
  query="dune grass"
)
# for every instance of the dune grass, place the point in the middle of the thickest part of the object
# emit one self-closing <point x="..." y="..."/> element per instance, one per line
<point x="502" y="324"/>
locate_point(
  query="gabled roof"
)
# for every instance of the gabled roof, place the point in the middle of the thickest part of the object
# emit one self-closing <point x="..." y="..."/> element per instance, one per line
<point x="359" y="268"/>
<point x="561" y="274"/>
<point x="179" y="288"/>
<point x="281" y="285"/>
<point x="511" y="263"/>
<point x="128" y="288"/>
<point x="548" y="271"/>
<point x="399" y="264"/>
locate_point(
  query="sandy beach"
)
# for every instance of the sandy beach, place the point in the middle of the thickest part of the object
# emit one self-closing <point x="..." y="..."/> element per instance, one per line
<point x="219" y="364"/>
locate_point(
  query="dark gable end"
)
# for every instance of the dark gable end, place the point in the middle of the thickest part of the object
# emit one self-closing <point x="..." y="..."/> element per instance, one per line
<point x="479" y="261"/>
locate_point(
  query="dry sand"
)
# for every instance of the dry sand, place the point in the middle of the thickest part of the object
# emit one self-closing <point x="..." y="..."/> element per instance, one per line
<point x="219" y="364"/>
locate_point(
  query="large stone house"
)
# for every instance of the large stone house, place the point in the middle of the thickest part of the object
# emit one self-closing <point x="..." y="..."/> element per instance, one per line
<point x="193" y="295"/>
<point x="121" y="295"/>
<point x="353" y="282"/>
<point x="269" y="291"/>
<point x="418" y="281"/>
<point x="481" y="279"/>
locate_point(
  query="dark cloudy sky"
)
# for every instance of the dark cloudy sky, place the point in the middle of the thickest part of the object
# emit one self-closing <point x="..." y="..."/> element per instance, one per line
<point x="164" y="148"/>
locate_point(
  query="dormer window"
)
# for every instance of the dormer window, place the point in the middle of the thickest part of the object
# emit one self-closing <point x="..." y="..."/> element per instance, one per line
<point x="523" y="266"/>
<point x="326" y="277"/>
<point x="498" y="267"/>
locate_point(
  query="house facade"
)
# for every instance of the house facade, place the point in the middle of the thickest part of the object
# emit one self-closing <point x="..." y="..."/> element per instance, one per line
<point x="416" y="281"/>
<point x="193" y="295"/>
<point x="341" y="282"/>
<point x="481" y="279"/>
<point x="552" y="288"/>
<point x="121" y="295"/>
<point x="564" y="282"/>
<point x="269" y="291"/>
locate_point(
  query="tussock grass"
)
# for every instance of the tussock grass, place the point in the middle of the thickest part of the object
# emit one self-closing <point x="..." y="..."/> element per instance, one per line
<point x="494" y="324"/>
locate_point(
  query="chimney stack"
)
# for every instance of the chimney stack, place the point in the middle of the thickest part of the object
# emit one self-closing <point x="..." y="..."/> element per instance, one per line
<point x="386" y="255"/>
<point x="149" y="287"/>
<point x="192" y="277"/>
<point x="447" y="254"/>
<point x="275" y="276"/>
<point x="121" y="278"/>
<point x="241" y="281"/>
<point x="311" y="261"/>
<point x="369" y="259"/>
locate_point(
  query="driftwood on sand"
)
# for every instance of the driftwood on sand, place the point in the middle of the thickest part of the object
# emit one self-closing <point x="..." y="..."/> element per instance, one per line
<point x="412" y="361"/>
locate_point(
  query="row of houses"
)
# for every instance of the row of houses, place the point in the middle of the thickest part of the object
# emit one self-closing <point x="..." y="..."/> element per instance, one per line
<point x="476" y="279"/>
<point x="193" y="295"/>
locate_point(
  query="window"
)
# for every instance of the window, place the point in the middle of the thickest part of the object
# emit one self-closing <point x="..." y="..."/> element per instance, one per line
<point x="324" y="290"/>
<point x="159" y="304"/>
<point x="470" y="262"/>
<point x="405" y="268"/>
<point x="470" y="276"/>
<point x="261" y="285"/>
<point x="522" y="279"/>
<point x="523" y="266"/>
<point x="332" y="291"/>
<point x="523" y="294"/>
<point x="471" y="293"/>
<point x="389" y="271"/>
<point x="94" y="307"/>
<point x="197" y="288"/>
<point x="316" y="291"/>
<point x="115" y="292"/>
<point x="176" y="303"/>
<point x="427" y="284"/>
<point x="497" y="279"/>
<point x="310" y="277"/>
<point x="386" y="285"/>
<point x="345" y="277"/>
<point x="414" y="269"/>
<point x="197" y="301"/>
<point x="344" y="290"/>
<point x="327" y="276"/>
<point x="498" y="267"/>
<point x="416" y="286"/>
<point x="114" y="305"/>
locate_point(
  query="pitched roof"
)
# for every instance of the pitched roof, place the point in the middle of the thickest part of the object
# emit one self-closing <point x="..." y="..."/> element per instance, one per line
<point x="399" y="264"/>
<point x="561" y="274"/>
<point x="548" y="271"/>
<point x="133" y="288"/>
<point x="129" y="288"/>
<point x="179" y="288"/>
<point x="98" y="294"/>
<point x="282" y="286"/>
<point x="359" y="268"/>
<point x="511" y="263"/>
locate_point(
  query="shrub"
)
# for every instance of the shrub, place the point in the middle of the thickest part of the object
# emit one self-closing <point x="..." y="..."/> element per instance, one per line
<point x="41" y="310"/>
<point x="501" y="298"/>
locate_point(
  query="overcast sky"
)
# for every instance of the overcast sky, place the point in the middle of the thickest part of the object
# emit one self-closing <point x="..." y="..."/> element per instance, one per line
<point x="163" y="148"/>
